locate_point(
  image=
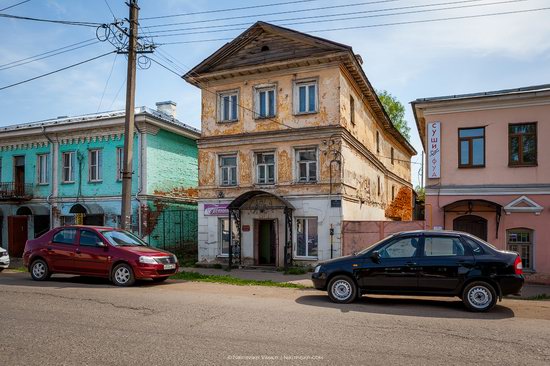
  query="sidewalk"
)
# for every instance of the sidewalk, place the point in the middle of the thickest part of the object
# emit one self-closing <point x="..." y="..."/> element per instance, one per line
<point x="305" y="279"/>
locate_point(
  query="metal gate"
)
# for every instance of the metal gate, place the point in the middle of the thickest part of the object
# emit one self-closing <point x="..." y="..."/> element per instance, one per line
<point x="175" y="229"/>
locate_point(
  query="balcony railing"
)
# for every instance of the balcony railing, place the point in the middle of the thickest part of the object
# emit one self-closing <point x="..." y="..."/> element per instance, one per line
<point x="15" y="191"/>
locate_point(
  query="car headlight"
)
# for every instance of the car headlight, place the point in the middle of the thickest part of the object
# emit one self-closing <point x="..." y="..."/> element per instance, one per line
<point x="147" y="260"/>
<point x="317" y="268"/>
<point x="175" y="259"/>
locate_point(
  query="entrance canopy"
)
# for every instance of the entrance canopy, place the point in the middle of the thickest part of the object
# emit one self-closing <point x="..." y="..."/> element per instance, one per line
<point x="239" y="202"/>
<point x="33" y="210"/>
<point x="468" y="206"/>
<point x="89" y="208"/>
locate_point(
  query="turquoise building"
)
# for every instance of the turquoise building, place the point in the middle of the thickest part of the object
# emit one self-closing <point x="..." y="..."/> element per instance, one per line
<point x="67" y="171"/>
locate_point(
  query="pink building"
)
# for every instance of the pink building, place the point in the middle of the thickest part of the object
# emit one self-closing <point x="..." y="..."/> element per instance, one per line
<point x="488" y="169"/>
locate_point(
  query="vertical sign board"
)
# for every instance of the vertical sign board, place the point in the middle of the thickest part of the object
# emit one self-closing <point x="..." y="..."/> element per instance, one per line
<point x="434" y="150"/>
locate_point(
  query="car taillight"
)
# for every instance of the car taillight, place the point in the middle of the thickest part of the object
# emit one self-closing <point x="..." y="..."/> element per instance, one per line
<point x="518" y="267"/>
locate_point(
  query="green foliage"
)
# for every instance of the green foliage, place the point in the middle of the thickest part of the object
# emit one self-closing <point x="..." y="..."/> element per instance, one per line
<point x="297" y="270"/>
<point x="226" y="279"/>
<point x="421" y="192"/>
<point x="396" y="112"/>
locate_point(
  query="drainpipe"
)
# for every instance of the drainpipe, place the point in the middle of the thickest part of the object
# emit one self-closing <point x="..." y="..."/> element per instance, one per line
<point x="54" y="159"/>
<point x="140" y="177"/>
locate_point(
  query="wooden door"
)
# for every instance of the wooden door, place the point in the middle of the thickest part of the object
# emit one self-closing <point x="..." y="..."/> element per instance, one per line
<point x="471" y="224"/>
<point x="17" y="235"/>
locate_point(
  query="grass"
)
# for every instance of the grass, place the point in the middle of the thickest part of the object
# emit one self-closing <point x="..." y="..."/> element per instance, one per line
<point x="297" y="270"/>
<point x="19" y="269"/>
<point x="227" y="279"/>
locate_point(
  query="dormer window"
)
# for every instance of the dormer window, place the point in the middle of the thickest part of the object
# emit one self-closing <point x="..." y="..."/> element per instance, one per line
<point x="228" y="104"/>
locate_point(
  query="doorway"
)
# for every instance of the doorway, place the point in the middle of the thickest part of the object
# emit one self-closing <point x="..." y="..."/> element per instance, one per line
<point x="471" y="224"/>
<point x="19" y="175"/>
<point x="266" y="243"/>
<point x="17" y="235"/>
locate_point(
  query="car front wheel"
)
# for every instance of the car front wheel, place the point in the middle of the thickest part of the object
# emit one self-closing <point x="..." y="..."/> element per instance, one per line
<point x="342" y="289"/>
<point x="479" y="296"/>
<point x="40" y="270"/>
<point x="123" y="275"/>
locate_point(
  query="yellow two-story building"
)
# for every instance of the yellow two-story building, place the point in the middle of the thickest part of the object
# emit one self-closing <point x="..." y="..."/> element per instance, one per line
<point x="294" y="141"/>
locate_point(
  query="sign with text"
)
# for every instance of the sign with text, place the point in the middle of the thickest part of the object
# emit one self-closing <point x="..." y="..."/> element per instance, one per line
<point x="216" y="209"/>
<point x="433" y="160"/>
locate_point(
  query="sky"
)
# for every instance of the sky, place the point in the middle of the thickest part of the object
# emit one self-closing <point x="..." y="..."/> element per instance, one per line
<point x="412" y="60"/>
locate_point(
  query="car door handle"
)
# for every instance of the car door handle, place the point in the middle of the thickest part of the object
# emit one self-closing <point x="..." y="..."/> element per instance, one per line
<point x="411" y="264"/>
<point x="77" y="251"/>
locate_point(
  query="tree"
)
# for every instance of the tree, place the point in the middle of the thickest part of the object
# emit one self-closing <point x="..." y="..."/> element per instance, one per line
<point x="396" y="112"/>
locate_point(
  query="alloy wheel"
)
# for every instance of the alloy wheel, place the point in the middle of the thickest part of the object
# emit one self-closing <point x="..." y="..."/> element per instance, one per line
<point x="39" y="269"/>
<point x="122" y="275"/>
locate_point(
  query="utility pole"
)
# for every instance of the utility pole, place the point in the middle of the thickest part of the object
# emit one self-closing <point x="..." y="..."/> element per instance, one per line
<point x="127" y="166"/>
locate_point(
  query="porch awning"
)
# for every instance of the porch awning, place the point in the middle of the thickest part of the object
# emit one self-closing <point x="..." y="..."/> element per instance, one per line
<point x="88" y="208"/>
<point x="243" y="198"/>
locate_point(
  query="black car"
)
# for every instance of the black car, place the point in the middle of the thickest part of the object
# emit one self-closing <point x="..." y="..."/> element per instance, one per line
<point x="430" y="263"/>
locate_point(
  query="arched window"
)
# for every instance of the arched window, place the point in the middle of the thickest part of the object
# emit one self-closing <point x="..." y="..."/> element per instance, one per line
<point x="521" y="240"/>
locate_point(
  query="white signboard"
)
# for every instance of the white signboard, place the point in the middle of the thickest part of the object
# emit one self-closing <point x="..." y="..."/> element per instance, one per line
<point x="434" y="150"/>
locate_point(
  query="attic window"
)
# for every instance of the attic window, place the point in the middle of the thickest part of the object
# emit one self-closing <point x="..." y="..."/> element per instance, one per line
<point x="264" y="49"/>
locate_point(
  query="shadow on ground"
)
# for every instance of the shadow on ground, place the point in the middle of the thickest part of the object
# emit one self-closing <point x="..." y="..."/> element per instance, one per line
<point x="408" y="306"/>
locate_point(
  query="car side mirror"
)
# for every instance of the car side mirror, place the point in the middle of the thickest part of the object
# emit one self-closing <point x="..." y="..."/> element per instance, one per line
<point x="375" y="256"/>
<point x="101" y="244"/>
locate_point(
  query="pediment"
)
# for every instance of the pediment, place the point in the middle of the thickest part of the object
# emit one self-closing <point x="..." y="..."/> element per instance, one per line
<point x="523" y="204"/>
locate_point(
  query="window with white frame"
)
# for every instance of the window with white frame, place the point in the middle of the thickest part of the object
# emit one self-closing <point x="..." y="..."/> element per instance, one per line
<point x="95" y="165"/>
<point x="265" y="102"/>
<point x="307" y="238"/>
<point x="43" y="168"/>
<point x="228" y="170"/>
<point x="228" y="106"/>
<point x="306" y="165"/>
<point x="265" y="168"/>
<point x="223" y="236"/>
<point x="521" y="241"/>
<point x="119" y="162"/>
<point x="305" y="97"/>
<point x="68" y="166"/>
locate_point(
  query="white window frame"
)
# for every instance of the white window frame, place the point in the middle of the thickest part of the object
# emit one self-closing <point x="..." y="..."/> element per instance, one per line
<point x="306" y="227"/>
<point x="305" y="83"/>
<point x="69" y="168"/>
<point x="221" y="223"/>
<point x="298" y="163"/>
<point x="257" y="101"/>
<point x="96" y="165"/>
<point x="265" y="166"/>
<point x="221" y="169"/>
<point x="119" y="163"/>
<point x="530" y="244"/>
<point x="221" y="106"/>
<point x="42" y="169"/>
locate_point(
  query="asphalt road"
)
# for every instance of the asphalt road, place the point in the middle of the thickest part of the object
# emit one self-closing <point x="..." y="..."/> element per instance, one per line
<point x="79" y="321"/>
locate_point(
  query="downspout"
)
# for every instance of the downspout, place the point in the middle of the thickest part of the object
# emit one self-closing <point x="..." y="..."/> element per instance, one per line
<point x="53" y="193"/>
<point x="140" y="178"/>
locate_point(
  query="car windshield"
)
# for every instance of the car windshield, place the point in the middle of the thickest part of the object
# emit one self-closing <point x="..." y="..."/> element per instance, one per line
<point x="375" y="244"/>
<point x="120" y="238"/>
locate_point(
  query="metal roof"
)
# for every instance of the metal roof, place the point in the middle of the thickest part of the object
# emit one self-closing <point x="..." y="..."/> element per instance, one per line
<point x="496" y="93"/>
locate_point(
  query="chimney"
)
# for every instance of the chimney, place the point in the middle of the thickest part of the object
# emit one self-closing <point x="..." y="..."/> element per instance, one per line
<point x="168" y="107"/>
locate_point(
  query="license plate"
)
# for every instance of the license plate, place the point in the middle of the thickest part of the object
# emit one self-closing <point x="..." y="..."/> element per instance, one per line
<point x="169" y="266"/>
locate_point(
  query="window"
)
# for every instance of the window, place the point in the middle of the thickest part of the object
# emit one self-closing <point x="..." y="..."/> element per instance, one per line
<point x="89" y="238"/>
<point x="228" y="106"/>
<point x="471" y="147"/>
<point x="306" y="165"/>
<point x="377" y="142"/>
<point x="352" y="110"/>
<point x="305" y="97"/>
<point x="42" y="171"/>
<point x="65" y="236"/>
<point x="68" y="166"/>
<point x="95" y="168"/>
<point x="119" y="162"/>
<point x="265" y="102"/>
<point x="392" y="156"/>
<point x="265" y="168"/>
<point x="228" y="170"/>
<point x="476" y="248"/>
<point x="223" y="236"/>
<point x="400" y="248"/>
<point x="439" y="246"/>
<point x="521" y="241"/>
<point x="522" y="144"/>
<point x="306" y="237"/>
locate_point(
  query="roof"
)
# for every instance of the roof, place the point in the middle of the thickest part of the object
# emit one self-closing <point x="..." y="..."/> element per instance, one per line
<point x="169" y="120"/>
<point x="333" y="51"/>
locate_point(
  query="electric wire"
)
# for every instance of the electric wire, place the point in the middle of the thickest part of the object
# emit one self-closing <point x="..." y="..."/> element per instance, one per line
<point x="65" y="22"/>
<point x="117" y="93"/>
<point x="14" y="5"/>
<point x="107" y="82"/>
<point x="110" y="10"/>
<point x="56" y="71"/>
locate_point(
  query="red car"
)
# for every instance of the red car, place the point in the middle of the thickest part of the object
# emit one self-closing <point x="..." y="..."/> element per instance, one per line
<point x="97" y="251"/>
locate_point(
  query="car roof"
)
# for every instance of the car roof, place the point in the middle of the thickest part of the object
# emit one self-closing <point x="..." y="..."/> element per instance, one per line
<point x="96" y="227"/>
<point x="438" y="232"/>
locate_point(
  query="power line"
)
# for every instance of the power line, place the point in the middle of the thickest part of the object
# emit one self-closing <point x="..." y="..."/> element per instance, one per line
<point x="381" y="24"/>
<point x="347" y="13"/>
<point x="276" y="13"/>
<point x="355" y="17"/>
<point x="56" y="71"/>
<point x="226" y="10"/>
<point x="14" y="5"/>
<point x="110" y="10"/>
<point x="117" y="93"/>
<point x="65" y="22"/>
<point x="50" y="55"/>
<point x="107" y="82"/>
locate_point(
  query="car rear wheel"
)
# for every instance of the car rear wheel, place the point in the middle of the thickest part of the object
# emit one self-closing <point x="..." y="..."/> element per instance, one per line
<point x="342" y="289"/>
<point x="479" y="296"/>
<point x="160" y="279"/>
<point x="39" y="270"/>
<point x="123" y="275"/>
